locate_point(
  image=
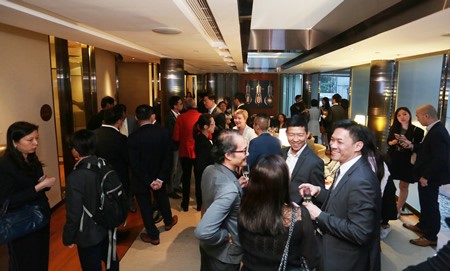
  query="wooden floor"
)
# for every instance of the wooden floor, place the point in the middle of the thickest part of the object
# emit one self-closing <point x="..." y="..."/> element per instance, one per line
<point x="64" y="258"/>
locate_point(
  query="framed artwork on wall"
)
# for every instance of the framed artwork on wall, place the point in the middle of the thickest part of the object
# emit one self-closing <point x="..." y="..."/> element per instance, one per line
<point x="259" y="93"/>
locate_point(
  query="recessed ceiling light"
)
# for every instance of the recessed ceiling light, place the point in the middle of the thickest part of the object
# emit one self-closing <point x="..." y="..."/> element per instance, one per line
<point x="446" y="35"/>
<point x="167" y="30"/>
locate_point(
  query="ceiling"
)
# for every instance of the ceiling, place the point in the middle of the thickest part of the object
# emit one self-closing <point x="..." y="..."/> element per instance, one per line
<point x="222" y="36"/>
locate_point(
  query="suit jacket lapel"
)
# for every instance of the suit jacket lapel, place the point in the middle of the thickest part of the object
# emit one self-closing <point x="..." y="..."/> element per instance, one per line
<point x="333" y="192"/>
<point x="300" y="161"/>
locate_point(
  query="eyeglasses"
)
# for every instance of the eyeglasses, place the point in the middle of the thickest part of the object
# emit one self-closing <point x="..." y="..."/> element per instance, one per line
<point x="243" y="151"/>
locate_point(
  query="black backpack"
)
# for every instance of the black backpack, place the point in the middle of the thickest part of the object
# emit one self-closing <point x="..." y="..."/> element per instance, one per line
<point x="113" y="205"/>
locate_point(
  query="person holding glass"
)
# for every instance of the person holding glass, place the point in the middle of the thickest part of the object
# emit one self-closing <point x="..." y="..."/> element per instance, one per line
<point x="23" y="182"/>
<point x="264" y="220"/>
<point x="400" y="157"/>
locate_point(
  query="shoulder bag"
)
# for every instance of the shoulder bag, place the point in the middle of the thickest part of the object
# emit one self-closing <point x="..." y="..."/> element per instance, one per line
<point x="284" y="258"/>
<point x="413" y="154"/>
<point x="20" y="222"/>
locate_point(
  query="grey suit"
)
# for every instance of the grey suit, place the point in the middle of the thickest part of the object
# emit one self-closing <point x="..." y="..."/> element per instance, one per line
<point x="350" y="220"/>
<point x="308" y="169"/>
<point x="221" y="197"/>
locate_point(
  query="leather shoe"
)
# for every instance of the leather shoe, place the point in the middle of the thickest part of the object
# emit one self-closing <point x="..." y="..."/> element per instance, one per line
<point x="413" y="228"/>
<point x="157" y="217"/>
<point x="423" y="242"/>
<point x="174" y="195"/>
<point x="184" y="208"/>
<point x="146" y="238"/>
<point x="174" y="222"/>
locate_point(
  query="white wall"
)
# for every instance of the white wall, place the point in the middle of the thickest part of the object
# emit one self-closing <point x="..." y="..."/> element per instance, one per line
<point x="25" y="85"/>
<point x="105" y="68"/>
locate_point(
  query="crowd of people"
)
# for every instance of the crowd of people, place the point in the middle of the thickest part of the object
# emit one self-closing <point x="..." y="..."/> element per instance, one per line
<point x="290" y="212"/>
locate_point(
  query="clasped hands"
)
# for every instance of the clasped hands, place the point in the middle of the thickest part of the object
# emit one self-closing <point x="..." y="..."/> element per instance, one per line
<point x="313" y="210"/>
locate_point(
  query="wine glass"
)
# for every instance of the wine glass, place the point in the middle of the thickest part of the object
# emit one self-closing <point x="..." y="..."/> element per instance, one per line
<point x="307" y="194"/>
<point x="245" y="171"/>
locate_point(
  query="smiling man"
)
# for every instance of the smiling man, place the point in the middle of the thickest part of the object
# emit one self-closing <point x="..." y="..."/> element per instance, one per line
<point x="304" y="165"/>
<point x="348" y="221"/>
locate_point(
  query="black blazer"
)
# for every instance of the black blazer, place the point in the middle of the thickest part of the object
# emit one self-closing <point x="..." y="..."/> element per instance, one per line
<point x="203" y="157"/>
<point x="433" y="156"/>
<point x="308" y="169"/>
<point x="112" y="145"/>
<point x="350" y="221"/>
<point x="262" y="146"/>
<point x="150" y="156"/>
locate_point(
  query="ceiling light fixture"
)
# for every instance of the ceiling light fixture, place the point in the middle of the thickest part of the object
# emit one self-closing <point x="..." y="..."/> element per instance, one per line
<point x="167" y="30"/>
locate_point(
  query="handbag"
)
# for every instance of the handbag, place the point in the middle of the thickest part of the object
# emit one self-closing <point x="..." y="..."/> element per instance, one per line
<point x="20" y="222"/>
<point x="303" y="264"/>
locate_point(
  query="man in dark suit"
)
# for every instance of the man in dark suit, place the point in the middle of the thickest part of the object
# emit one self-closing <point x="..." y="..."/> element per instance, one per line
<point x="220" y="248"/>
<point x="335" y="113"/>
<point x="97" y="120"/>
<point x="112" y="145"/>
<point x="265" y="144"/>
<point x="239" y="103"/>
<point x="176" y="105"/>
<point x="431" y="170"/>
<point x="210" y="102"/>
<point x="150" y="158"/>
<point x="304" y="165"/>
<point x="348" y="222"/>
<point x="129" y="123"/>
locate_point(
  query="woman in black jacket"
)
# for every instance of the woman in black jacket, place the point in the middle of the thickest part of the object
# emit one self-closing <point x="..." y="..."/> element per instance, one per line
<point x="23" y="182"/>
<point x="81" y="190"/>
<point x="203" y="129"/>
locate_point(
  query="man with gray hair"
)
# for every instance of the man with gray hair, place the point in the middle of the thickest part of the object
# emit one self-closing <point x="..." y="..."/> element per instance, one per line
<point x="431" y="170"/>
<point x="217" y="231"/>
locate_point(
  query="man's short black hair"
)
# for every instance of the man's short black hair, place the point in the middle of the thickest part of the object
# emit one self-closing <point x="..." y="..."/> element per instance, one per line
<point x="84" y="142"/>
<point x="174" y="101"/>
<point x="144" y="111"/>
<point x="112" y="115"/>
<point x="240" y="97"/>
<point x="107" y="100"/>
<point x="297" y="121"/>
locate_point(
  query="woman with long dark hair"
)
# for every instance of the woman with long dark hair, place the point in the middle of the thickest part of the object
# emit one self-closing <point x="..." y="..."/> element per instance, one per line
<point x="265" y="217"/>
<point x="400" y="157"/>
<point x="23" y="182"/>
<point x="203" y="129"/>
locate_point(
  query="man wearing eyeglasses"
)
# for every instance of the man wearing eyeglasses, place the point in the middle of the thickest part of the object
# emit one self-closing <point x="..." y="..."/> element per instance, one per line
<point x="220" y="248"/>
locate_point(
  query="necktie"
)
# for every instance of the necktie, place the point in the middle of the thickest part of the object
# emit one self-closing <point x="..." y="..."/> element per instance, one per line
<point x="338" y="171"/>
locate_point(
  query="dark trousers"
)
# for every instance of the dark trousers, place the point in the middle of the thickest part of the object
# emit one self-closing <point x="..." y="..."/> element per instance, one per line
<point x="430" y="217"/>
<point x="30" y="252"/>
<point x="186" y="165"/>
<point x="145" y="205"/>
<point x="91" y="257"/>
<point x="198" y="187"/>
<point x="208" y="263"/>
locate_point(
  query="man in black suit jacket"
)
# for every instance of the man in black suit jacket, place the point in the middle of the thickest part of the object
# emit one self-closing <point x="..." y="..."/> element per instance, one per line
<point x="349" y="220"/>
<point x="112" y="145"/>
<point x="176" y="106"/>
<point x="304" y="165"/>
<point x="97" y="120"/>
<point x="239" y="103"/>
<point x="210" y="102"/>
<point x="150" y="158"/>
<point x="431" y="170"/>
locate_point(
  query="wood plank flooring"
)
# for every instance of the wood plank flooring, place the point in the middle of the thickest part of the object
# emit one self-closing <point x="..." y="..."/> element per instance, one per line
<point x="64" y="258"/>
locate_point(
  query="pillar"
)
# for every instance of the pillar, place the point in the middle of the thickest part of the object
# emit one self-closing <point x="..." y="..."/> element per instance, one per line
<point x="172" y="83"/>
<point x="381" y="99"/>
<point x="307" y="87"/>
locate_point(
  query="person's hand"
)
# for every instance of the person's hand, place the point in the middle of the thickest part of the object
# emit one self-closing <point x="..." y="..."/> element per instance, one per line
<point x="243" y="181"/>
<point x="423" y="182"/>
<point x="406" y="144"/>
<point x="393" y="142"/>
<point x="45" y="182"/>
<point x="313" y="210"/>
<point x="314" y="190"/>
<point x="156" y="185"/>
